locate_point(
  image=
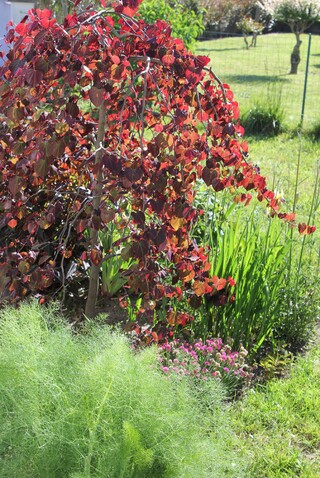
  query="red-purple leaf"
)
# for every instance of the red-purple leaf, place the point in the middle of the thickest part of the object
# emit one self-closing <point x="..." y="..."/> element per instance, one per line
<point x="167" y="60"/>
<point x="96" y="96"/>
<point x="41" y="168"/>
<point x="140" y="249"/>
<point x="34" y="77"/>
<point x="12" y="223"/>
<point x="14" y="185"/>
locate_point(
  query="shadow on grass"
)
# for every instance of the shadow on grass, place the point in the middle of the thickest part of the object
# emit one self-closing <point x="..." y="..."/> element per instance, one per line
<point x="240" y="48"/>
<point x="256" y="78"/>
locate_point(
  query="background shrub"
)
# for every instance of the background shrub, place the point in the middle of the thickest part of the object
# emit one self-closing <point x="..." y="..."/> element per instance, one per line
<point x="299" y="312"/>
<point x="185" y="21"/>
<point x="265" y="117"/>
<point x="315" y="131"/>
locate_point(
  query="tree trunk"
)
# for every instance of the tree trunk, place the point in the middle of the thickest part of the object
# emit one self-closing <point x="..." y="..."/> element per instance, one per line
<point x="246" y="40"/>
<point x="295" y="55"/>
<point x="63" y="11"/>
<point x="254" y="39"/>
<point x="90" y="310"/>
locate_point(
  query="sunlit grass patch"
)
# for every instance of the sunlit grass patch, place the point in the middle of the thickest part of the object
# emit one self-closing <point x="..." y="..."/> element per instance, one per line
<point x="279" y="424"/>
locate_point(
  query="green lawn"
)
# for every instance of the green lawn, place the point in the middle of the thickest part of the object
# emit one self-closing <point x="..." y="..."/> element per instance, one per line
<point x="278" y="159"/>
<point x="263" y="72"/>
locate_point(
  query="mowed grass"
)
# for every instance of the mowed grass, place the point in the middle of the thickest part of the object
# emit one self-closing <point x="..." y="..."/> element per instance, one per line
<point x="280" y="159"/>
<point x="279" y="424"/>
<point x="291" y="164"/>
<point x="263" y="71"/>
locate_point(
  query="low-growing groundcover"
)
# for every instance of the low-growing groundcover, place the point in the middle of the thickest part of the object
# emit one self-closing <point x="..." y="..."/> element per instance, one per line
<point x="86" y="405"/>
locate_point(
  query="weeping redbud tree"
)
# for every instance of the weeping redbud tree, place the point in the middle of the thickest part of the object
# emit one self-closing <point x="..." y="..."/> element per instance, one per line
<point x="108" y="119"/>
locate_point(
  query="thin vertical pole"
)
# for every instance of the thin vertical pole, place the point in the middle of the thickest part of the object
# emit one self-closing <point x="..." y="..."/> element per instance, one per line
<point x="305" y="81"/>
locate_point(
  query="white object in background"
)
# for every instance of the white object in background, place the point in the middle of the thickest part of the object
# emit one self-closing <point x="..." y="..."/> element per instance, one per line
<point x="19" y="10"/>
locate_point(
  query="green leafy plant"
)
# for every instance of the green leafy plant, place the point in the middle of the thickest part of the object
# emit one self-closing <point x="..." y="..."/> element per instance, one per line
<point x="186" y="23"/>
<point x="256" y="259"/>
<point x="277" y="364"/>
<point x="253" y="253"/>
<point x="133" y="307"/>
<point x="114" y="266"/>
<point x="88" y="405"/>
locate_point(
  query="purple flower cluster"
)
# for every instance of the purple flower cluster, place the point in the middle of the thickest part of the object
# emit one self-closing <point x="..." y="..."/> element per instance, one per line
<point x="207" y="360"/>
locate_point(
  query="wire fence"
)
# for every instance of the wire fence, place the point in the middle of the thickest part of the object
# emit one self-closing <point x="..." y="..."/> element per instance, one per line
<point x="261" y="73"/>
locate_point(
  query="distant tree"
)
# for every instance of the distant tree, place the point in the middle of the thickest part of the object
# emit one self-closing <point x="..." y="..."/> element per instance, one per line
<point x="299" y="15"/>
<point x="249" y="27"/>
<point x="224" y="14"/>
